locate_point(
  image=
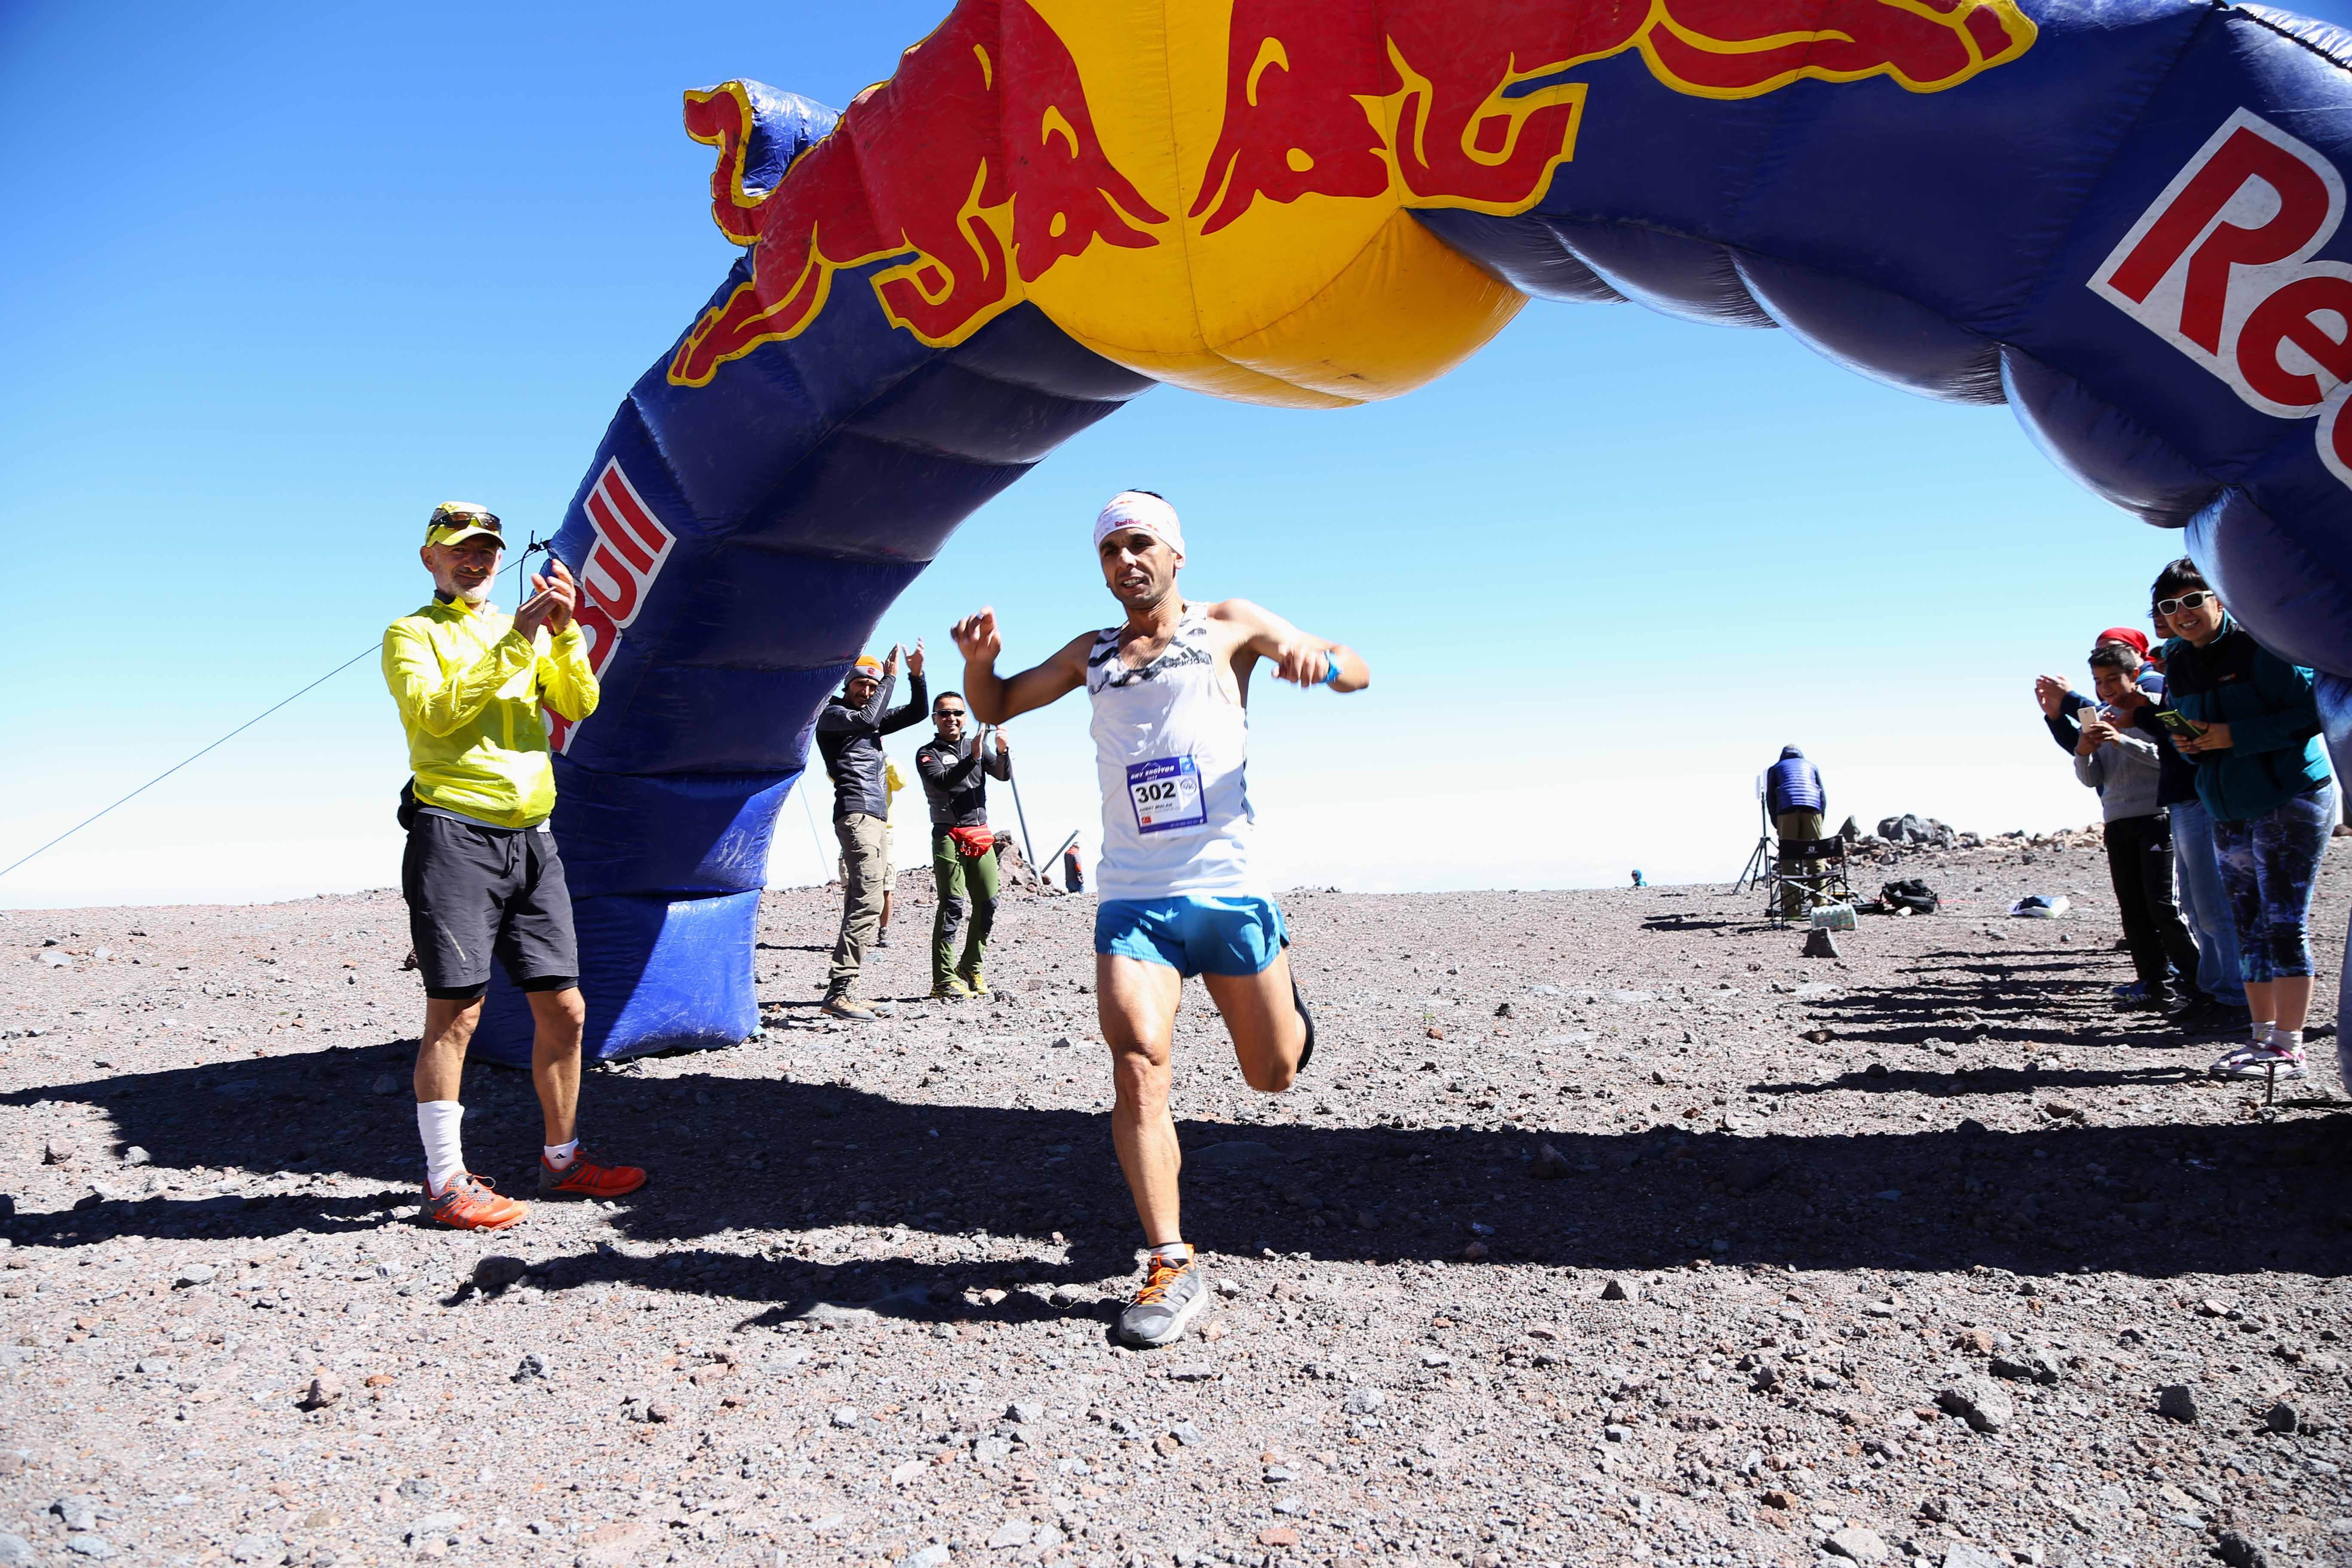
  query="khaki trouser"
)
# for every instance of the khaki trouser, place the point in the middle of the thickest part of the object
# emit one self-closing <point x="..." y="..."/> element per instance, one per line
<point x="1799" y="827"/>
<point x="863" y="851"/>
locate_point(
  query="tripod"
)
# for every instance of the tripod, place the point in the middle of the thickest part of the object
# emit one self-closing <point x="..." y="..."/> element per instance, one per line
<point x="1759" y="860"/>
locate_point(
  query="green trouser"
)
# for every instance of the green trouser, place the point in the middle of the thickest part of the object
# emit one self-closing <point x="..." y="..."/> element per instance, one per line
<point x="965" y="882"/>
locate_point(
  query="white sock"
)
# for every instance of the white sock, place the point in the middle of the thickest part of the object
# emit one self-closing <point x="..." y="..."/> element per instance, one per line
<point x="1171" y="1252"/>
<point x="561" y="1155"/>
<point x="2262" y="1033"/>
<point x="444" y="1157"/>
<point x="2285" y="1040"/>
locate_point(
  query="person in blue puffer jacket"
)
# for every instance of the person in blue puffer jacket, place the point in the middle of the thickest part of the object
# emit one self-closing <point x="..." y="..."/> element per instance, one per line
<point x="2263" y="775"/>
<point x="1794" y="799"/>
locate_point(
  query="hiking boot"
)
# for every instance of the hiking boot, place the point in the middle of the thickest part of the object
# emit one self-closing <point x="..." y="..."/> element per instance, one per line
<point x="1171" y="1297"/>
<point x="970" y="977"/>
<point x="842" y="1005"/>
<point x="468" y="1203"/>
<point x="586" y="1178"/>
<point x="951" y="989"/>
<point x="882" y="937"/>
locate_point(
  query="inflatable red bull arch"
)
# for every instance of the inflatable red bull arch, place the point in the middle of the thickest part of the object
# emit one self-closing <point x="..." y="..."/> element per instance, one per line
<point x="2124" y="218"/>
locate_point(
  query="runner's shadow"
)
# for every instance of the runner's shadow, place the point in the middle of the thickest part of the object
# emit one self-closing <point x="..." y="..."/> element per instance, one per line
<point x="849" y="1195"/>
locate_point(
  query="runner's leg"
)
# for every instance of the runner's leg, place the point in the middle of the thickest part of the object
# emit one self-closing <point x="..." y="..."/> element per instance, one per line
<point x="1262" y="1014"/>
<point x="1135" y="1002"/>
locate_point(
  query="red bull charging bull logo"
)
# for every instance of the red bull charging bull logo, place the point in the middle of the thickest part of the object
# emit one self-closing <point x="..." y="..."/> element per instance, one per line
<point x="1040" y="150"/>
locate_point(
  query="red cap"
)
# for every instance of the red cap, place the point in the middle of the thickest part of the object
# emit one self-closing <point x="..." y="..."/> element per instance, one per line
<point x="2130" y="637"/>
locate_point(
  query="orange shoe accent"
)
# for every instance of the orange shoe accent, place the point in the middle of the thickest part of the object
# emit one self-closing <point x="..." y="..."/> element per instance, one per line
<point x="1160" y="1274"/>
<point x="584" y="1178"/>
<point x="469" y="1203"/>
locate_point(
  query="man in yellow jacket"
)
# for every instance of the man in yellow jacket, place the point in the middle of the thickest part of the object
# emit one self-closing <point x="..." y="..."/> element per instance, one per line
<point x="481" y="874"/>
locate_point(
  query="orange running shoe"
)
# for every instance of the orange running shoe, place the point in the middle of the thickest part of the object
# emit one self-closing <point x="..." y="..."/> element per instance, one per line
<point x="584" y="1178"/>
<point x="468" y="1203"/>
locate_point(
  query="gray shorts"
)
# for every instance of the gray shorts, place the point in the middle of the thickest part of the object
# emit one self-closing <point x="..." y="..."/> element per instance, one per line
<point x="475" y="892"/>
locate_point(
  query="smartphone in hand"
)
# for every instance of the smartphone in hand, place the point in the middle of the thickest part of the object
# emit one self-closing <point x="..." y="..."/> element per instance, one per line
<point x="2178" y="723"/>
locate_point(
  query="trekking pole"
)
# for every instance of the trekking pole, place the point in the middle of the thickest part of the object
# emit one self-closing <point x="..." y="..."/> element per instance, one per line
<point x="1026" y="849"/>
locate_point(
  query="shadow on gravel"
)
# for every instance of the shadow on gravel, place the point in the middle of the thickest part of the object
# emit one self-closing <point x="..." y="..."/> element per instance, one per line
<point x="733" y="1154"/>
<point x="1994" y="1081"/>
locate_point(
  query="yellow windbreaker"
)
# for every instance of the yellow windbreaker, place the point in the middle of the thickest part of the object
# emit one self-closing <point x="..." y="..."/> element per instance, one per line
<point x="469" y="688"/>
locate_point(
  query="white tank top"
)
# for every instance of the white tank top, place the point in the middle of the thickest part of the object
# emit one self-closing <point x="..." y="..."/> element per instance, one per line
<point x="1171" y="747"/>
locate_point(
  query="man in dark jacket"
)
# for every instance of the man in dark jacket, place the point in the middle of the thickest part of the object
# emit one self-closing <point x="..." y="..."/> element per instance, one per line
<point x="955" y="771"/>
<point x="849" y="736"/>
<point x="1794" y="798"/>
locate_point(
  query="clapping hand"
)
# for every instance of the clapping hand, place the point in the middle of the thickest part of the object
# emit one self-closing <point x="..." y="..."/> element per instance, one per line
<point x="551" y="603"/>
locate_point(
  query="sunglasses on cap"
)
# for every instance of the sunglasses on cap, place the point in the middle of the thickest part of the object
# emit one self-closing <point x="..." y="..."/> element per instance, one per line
<point x="2196" y="601"/>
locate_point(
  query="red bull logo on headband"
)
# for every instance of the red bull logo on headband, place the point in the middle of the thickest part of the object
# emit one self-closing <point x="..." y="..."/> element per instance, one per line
<point x="1044" y="149"/>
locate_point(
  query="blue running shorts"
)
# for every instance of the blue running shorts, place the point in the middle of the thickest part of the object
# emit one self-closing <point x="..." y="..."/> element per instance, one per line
<point x="1192" y="933"/>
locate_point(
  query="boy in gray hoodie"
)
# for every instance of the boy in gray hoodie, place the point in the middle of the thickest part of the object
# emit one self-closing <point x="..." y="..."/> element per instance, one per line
<point x="2122" y="767"/>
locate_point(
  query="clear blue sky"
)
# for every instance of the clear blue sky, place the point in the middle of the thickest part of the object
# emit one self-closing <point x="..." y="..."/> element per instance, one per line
<point x="281" y="277"/>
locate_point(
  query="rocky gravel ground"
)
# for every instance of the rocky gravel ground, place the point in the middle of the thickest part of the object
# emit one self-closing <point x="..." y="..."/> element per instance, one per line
<point x="1604" y="1229"/>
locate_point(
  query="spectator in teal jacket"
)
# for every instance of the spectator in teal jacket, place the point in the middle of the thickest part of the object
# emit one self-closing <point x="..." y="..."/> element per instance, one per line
<point x="2262" y="774"/>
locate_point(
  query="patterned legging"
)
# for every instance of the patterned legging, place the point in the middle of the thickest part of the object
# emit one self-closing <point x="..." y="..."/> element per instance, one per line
<point x="2268" y="866"/>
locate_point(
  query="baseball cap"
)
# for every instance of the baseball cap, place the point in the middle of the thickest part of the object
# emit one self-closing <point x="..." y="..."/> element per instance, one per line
<point x="2130" y="637"/>
<point x="455" y="521"/>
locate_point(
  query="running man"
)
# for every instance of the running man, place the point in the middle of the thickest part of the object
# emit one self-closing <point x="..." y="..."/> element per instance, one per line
<point x="481" y="875"/>
<point x="1179" y="893"/>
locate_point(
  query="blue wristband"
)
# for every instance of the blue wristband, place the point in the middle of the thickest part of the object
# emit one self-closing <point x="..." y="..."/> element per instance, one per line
<point x="1331" y="676"/>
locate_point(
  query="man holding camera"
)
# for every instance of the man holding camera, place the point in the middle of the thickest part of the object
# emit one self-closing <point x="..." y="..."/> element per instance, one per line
<point x="481" y="874"/>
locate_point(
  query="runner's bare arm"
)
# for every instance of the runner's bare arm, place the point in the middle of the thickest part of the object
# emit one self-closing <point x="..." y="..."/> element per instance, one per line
<point x="1298" y="656"/>
<point x="991" y="698"/>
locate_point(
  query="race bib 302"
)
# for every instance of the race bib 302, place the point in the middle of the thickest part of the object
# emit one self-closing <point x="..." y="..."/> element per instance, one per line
<point x="1166" y="794"/>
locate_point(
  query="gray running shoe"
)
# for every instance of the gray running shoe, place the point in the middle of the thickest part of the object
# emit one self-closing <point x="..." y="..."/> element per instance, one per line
<point x="1171" y="1297"/>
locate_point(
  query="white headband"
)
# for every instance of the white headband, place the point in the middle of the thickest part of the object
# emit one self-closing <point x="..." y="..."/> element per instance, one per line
<point x="1143" y="511"/>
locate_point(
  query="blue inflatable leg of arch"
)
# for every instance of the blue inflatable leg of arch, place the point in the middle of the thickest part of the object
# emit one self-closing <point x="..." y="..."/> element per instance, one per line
<point x="2124" y="218"/>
